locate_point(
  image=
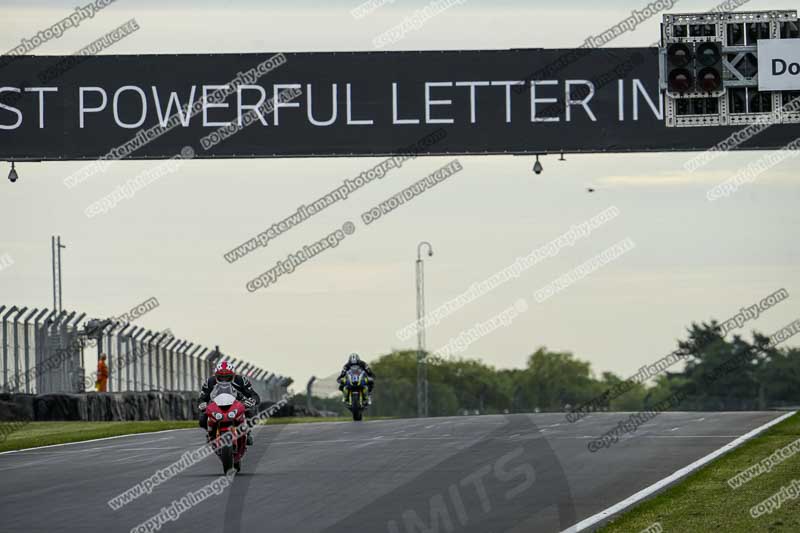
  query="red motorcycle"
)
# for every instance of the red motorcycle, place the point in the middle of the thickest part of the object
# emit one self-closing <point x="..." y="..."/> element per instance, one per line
<point x="226" y="415"/>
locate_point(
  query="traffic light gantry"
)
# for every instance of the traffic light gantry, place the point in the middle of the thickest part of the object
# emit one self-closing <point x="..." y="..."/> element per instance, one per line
<point x="708" y="65"/>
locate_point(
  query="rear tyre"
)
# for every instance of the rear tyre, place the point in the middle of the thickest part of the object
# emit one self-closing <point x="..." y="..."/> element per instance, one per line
<point x="226" y="455"/>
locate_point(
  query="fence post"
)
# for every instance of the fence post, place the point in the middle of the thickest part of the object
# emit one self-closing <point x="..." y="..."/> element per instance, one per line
<point x="170" y="364"/>
<point x="176" y="368"/>
<point x="187" y="367"/>
<point x="215" y="358"/>
<point x="174" y="365"/>
<point x="138" y="355"/>
<point x="179" y="378"/>
<point x="159" y="360"/>
<point x="120" y="362"/>
<point x="270" y="386"/>
<point x="132" y="362"/>
<point x="45" y="374"/>
<point x="26" y="349"/>
<point x="200" y="366"/>
<point x="211" y="361"/>
<point x="15" y="375"/>
<point x="41" y="350"/>
<point x="153" y="338"/>
<point x="308" y="393"/>
<point x="184" y="375"/>
<point x="65" y="383"/>
<point x="124" y="339"/>
<point x="114" y="367"/>
<point x="193" y="367"/>
<point x="165" y="361"/>
<point x="53" y="377"/>
<point x="130" y="357"/>
<point x="75" y="372"/>
<point x="5" y="346"/>
<point x="36" y="339"/>
<point x="111" y="359"/>
<point x="162" y="363"/>
<point x="118" y="333"/>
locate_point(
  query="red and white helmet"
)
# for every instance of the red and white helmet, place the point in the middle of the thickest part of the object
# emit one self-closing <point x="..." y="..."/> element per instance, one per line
<point x="224" y="371"/>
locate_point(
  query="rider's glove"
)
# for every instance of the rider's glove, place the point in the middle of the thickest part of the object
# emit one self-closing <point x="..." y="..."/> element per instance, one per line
<point x="202" y="406"/>
<point x="250" y="402"/>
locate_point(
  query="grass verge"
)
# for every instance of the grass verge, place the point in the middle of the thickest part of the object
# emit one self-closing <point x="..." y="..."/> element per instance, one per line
<point x="705" y="502"/>
<point x="33" y="434"/>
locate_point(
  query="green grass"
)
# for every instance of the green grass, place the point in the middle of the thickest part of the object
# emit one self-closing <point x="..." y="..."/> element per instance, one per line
<point x="44" y="433"/>
<point x="705" y="502"/>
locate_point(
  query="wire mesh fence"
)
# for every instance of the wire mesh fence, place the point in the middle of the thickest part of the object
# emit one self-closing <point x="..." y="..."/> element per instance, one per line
<point x="44" y="352"/>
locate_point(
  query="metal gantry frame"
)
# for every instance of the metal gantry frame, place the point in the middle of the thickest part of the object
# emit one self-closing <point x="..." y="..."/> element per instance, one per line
<point x="732" y="78"/>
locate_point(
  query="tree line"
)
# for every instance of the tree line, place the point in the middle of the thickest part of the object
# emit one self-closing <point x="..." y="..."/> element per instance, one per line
<point x="714" y="373"/>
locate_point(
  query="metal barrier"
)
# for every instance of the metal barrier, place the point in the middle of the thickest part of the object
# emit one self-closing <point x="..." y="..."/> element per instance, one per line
<point x="43" y="352"/>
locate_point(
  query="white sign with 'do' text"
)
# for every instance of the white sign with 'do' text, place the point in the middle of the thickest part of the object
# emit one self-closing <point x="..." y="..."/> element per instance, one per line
<point x="779" y="65"/>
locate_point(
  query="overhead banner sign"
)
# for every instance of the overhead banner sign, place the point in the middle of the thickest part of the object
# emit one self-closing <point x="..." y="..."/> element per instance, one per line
<point x="779" y="61"/>
<point x="343" y="104"/>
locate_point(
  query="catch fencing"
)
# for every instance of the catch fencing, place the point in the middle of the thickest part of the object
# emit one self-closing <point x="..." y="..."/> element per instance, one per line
<point x="43" y="352"/>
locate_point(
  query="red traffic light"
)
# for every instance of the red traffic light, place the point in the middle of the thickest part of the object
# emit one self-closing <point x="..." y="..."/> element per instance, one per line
<point x="679" y="55"/>
<point x="680" y="80"/>
<point x="709" y="79"/>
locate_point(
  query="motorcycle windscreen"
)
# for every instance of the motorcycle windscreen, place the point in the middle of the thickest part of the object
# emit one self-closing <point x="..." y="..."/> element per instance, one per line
<point x="355" y="375"/>
<point x="224" y="400"/>
<point x="220" y="389"/>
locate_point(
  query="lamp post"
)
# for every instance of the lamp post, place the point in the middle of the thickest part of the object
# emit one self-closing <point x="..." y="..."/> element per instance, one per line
<point x="422" y="368"/>
<point x="56" y="247"/>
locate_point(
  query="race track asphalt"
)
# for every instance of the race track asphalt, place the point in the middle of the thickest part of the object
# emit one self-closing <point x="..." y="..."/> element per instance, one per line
<point x="515" y="473"/>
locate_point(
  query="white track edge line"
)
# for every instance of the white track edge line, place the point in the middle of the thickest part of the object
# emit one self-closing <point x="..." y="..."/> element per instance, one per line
<point x="94" y="440"/>
<point x="655" y="487"/>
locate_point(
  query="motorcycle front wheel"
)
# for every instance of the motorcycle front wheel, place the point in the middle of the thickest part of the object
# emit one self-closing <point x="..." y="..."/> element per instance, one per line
<point x="355" y="406"/>
<point x="226" y="456"/>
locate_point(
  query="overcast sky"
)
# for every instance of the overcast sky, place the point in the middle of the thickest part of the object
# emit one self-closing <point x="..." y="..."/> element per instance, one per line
<point x="694" y="260"/>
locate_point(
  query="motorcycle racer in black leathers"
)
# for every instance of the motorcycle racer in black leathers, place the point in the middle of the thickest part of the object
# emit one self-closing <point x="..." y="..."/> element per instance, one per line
<point x="224" y="372"/>
<point x="355" y="360"/>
